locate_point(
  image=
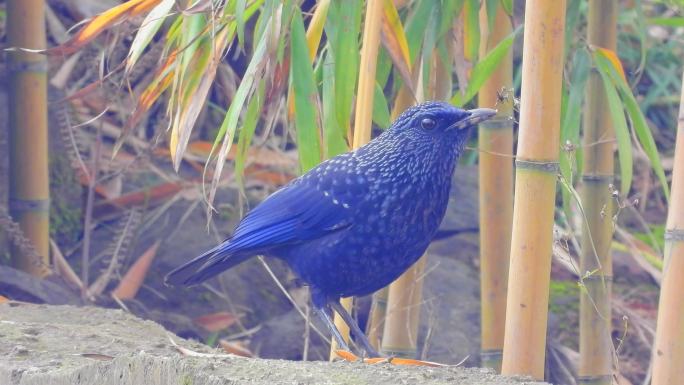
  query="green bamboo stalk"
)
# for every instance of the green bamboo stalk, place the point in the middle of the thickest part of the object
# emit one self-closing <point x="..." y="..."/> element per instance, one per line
<point x="596" y="348"/>
<point x="496" y="192"/>
<point x="535" y="189"/>
<point x="29" y="197"/>
<point x="668" y="349"/>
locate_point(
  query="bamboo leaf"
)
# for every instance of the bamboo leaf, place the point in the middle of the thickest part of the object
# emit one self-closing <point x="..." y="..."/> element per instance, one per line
<point x="381" y="114"/>
<point x="346" y="53"/>
<point x="491" y="6"/>
<point x="153" y="21"/>
<point x="305" y="96"/>
<point x="471" y="29"/>
<point x="484" y="69"/>
<point x="415" y="26"/>
<point x="247" y="132"/>
<point x="100" y="23"/>
<point x="449" y="12"/>
<point x="666" y="21"/>
<point x="611" y="56"/>
<point x="395" y="43"/>
<point x="315" y="30"/>
<point x="636" y="117"/>
<point x="229" y="125"/>
<point x="334" y="134"/>
<point x="507" y="6"/>
<point x="394" y="31"/>
<point x="240" y="6"/>
<point x="624" y="142"/>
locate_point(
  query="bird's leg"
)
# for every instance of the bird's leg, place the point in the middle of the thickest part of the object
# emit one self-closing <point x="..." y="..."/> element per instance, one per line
<point x="361" y="336"/>
<point x="320" y="305"/>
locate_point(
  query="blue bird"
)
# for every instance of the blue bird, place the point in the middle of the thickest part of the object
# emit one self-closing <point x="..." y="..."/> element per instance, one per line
<point x="356" y="222"/>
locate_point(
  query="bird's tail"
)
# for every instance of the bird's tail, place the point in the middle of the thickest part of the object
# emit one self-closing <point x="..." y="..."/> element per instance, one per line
<point x="207" y="265"/>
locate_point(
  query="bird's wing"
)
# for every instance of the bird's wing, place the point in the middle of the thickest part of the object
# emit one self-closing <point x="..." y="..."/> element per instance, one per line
<point x="298" y="212"/>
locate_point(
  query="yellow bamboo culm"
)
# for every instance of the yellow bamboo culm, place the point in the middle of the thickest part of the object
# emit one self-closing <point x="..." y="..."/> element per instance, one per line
<point x="535" y="189"/>
<point x="668" y="349"/>
<point x="28" y="137"/>
<point x="363" y="117"/>
<point x="495" y="142"/>
<point x="595" y="344"/>
<point x="400" y="334"/>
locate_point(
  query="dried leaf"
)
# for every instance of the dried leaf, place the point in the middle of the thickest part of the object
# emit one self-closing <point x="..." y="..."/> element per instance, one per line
<point x="63" y="269"/>
<point x="394" y="41"/>
<point x="351" y="357"/>
<point x="100" y="23"/>
<point x="147" y="196"/>
<point x="236" y="347"/>
<point x="216" y="322"/>
<point x="135" y="276"/>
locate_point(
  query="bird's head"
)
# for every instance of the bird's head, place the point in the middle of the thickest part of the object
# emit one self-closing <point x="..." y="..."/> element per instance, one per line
<point x="439" y="123"/>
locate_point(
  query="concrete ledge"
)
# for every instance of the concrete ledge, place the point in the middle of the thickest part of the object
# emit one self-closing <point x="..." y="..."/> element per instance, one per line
<point x="66" y="345"/>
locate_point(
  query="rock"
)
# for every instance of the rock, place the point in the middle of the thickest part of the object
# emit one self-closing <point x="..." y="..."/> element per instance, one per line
<point x="84" y="345"/>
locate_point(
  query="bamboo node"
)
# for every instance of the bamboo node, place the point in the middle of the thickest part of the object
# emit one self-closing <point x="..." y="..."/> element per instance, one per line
<point x="34" y="205"/>
<point x="597" y="178"/>
<point x="550" y="167"/>
<point x="497" y="123"/>
<point x="34" y="66"/>
<point x="598" y="277"/>
<point x="599" y="379"/>
<point x="491" y="354"/>
<point x="674" y="235"/>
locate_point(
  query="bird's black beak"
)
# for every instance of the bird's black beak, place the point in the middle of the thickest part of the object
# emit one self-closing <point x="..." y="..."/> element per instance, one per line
<point x="475" y="116"/>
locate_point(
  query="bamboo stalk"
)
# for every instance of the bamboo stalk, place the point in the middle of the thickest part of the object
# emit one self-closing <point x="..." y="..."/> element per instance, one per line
<point x="668" y="349"/>
<point x="376" y="318"/>
<point x="535" y="188"/>
<point x="400" y="334"/>
<point x="28" y="139"/>
<point x="363" y="118"/>
<point x="496" y="193"/>
<point x="596" y="348"/>
<point x="405" y="295"/>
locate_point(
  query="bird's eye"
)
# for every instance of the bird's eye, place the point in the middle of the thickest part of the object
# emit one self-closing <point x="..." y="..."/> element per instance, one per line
<point x="428" y="123"/>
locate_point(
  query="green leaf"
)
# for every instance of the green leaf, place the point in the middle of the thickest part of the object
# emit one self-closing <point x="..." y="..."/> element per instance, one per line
<point x="507" y="6"/>
<point x="666" y="21"/>
<point x="624" y="142"/>
<point x="240" y="19"/>
<point x="471" y="29"/>
<point x="643" y="39"/>
<point x="416" y="25"/>
<point x="149" y="27"/>
<point x="450" y="10"/>
<point x="484" y="69"/>
<point x="346" y="52"/>
<point x="381" y="114"/>
<point x="637" y="117"/>
<point x="335" y="142"/>
<point x="305" y="96"/>
<point x="228" y="127"/>
<point x="492" y="6"/>
<point x="570" y="121"/>
<point x="247" y="132"/>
